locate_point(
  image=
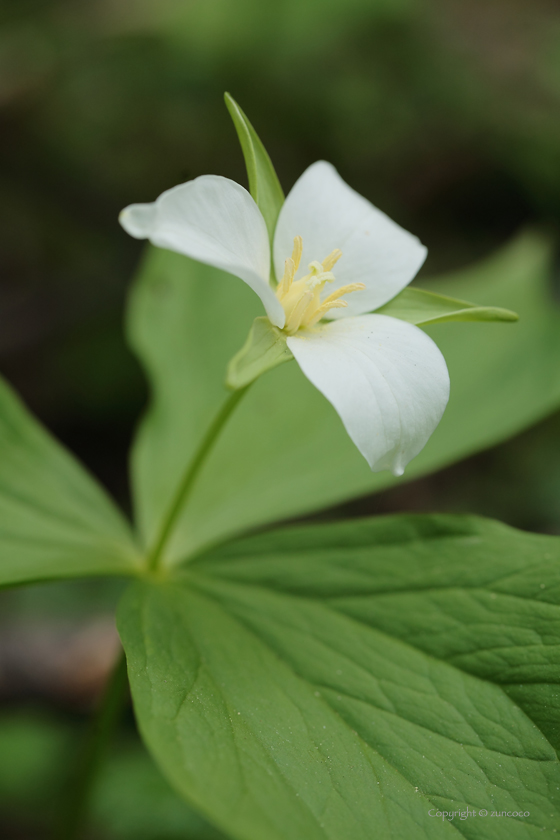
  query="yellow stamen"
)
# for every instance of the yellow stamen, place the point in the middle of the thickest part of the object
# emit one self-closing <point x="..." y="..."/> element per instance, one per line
<point x="287" y="279"/>
<point x="294" y="321"/>
<point x="333" y="302"/>
<point x="301" y="299"/>
<point x="291" y="265"/>
<point x="344" y="290"/>
<point x="332" y="259"/>
<point x="297" y="252"/>
<point x="323" y="309"/>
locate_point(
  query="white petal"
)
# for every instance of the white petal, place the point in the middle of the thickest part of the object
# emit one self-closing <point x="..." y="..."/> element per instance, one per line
<point x="139" y="220"/>
<point x="213" y="220"/>
<point x="386" y="379"/>
<point x="328" y="214"/>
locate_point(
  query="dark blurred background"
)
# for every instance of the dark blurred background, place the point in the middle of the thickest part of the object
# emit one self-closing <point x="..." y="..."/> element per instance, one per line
<point x="445" y="113"/>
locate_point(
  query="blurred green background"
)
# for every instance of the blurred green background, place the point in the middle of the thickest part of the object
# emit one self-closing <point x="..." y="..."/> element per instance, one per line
<point x="444" y="113"/>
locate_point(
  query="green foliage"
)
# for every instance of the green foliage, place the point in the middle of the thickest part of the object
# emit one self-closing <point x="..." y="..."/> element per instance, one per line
<point x="420" y="307"/>
<point x="55" y="521"/>
<point x="264" y="349"/>
<point x="263" y="181"/>
<point x="503" y="379"/>
<point x="325" y="681"/>
<point x="130" y="800"/>
<point x="34" y="750"/>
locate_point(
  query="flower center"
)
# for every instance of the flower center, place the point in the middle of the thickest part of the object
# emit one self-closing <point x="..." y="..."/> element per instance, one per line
<point x="301" y="299"/>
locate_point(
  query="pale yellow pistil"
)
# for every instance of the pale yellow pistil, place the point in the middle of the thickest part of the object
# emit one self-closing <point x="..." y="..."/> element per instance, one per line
<point x="302" y="299"/>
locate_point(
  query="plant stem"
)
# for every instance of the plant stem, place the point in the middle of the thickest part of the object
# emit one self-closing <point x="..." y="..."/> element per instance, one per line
<point x="110" y="709"/>
<point x="101" y="731"/>
<point x="190" y="475"/>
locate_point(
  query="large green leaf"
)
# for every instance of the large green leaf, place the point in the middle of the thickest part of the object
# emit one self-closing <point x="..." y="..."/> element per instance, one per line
<point x="55" y="521"/>
<point x="285" y="452"/>
<point x="344" y="681"/>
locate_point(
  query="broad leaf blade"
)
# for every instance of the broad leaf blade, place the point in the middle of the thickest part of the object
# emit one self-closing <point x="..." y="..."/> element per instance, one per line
<point x="285" y="452"/>
<point x="55" y="521"/>
<point x="243" y="738"/>
<point x="469" y="591"/>
<point x="284" y="699"/>
<point x="420" y="307"/>
<point x="263" y="181"/>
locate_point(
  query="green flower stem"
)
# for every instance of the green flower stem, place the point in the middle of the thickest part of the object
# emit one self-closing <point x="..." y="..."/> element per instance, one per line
<point x="108" y="715"/>
<point x="191" y="475"/>
<point x="101" y="731"/>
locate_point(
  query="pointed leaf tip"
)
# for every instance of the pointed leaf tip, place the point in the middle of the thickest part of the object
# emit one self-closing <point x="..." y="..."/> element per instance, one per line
<point x="264" y="185"/>
<point x="421" y="308"/>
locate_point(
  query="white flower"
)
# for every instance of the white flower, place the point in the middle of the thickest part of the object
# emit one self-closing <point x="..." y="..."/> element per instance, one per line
<point x="386" y="378"/>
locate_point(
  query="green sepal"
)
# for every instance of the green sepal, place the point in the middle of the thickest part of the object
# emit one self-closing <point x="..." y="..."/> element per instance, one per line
<point x="264" y="349"/>
<point x="264" y="185"/>
<point x="419" y="307"/>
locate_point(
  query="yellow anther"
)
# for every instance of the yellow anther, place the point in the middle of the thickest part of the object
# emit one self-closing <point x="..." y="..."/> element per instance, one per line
<point x="332" y="259"/>
<point x="291" y="265"/>
<point x="301" y="299"/>
<point x="297" y="252"/>
<point x="287" y="278"/>
<point x="296" y="316"/>
<point x="323" y="309"/>
<point x="333" y="301"/>
<point x="344" y="290"/>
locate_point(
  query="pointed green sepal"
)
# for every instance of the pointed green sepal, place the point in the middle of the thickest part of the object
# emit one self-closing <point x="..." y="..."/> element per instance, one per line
<point x="264" y="185"/>
<point x="264" y="349"/>
<point x="419" y="307"/>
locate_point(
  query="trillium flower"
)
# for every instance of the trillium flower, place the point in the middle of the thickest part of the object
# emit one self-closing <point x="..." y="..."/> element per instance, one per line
<point x="338" y="258"/>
